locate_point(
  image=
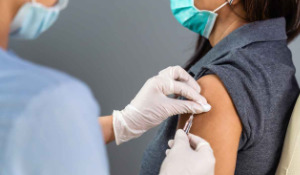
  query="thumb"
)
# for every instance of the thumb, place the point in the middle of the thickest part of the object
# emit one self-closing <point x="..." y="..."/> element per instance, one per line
<point x="198" y="143"/>
<point x="181" y="139"/>
<point x="178" y="73"/>
<point x="188" y="107"/>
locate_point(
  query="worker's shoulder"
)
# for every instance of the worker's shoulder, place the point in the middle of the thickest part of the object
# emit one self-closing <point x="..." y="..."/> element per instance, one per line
<point x="35" y="78"/>
<point x="43" y="78"/>
<point x="22" y="82"/>
<point x="32" y="75"/>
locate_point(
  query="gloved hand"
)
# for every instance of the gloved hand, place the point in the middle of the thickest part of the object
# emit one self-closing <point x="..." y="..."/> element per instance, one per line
<point x="189" y="155"/>
<point x="151" y="106"/>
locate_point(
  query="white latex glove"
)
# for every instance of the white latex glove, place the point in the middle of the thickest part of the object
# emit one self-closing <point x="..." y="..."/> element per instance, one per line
<point x="189" y="155"/>
<point x="151" y="106"/>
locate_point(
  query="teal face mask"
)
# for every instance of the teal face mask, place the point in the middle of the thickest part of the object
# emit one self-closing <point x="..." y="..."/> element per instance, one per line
<point x="199" y="21"/>
<point x="34" y="18"/>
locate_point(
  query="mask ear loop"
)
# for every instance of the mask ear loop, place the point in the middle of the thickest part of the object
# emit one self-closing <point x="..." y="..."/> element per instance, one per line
<point x="230" y="2"/>
<point x="217" y="9"/>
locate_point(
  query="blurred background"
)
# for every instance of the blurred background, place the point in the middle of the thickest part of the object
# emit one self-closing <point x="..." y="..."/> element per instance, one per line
<point x="115" y="46"/>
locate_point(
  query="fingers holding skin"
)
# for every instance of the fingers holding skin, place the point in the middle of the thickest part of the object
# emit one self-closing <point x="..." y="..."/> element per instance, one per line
<point x="186" y="91"/>
<point x="179" y="74"/>
<point x="187" y="87"/>
<point x="175" y="73"/>
<point x="183" y="89"/>
<point x="196" y="103"/>
<point x="189" y="107"/>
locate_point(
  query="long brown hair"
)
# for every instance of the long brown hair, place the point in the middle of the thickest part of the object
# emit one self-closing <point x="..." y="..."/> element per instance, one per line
<point x="257" y="10"/>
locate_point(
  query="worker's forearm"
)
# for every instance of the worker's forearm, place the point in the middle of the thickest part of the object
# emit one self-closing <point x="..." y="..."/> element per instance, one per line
<point x="106" y="123"/>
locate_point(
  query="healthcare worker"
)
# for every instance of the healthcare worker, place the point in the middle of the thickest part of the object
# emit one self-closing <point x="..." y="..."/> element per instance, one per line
<point x="49" y="121"/>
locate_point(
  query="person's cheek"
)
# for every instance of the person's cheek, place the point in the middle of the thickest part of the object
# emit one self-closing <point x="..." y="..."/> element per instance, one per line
<point x="48" y="3"/>
<point x="206" y="4"/>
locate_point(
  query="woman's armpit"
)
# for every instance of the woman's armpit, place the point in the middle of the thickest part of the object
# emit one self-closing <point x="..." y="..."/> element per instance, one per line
<point x="221" y="126"/>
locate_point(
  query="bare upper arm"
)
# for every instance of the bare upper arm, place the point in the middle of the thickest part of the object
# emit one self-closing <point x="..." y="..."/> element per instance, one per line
<point x="221" y="126"/>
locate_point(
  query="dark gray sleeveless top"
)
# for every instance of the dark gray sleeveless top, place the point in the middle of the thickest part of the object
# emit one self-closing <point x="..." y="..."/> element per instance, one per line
<point x="256" y="67"/>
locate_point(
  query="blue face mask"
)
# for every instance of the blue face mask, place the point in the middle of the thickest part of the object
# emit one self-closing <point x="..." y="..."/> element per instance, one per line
<point x="199" y="21"/>
<point x="34" y="18"/>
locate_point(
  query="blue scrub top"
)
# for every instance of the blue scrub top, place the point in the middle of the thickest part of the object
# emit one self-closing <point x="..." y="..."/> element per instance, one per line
<point x="48" y="122"/>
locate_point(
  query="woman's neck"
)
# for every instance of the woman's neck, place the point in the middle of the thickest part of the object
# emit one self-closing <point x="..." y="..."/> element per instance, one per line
<point x="8" y="10"/>
<point x="227" y="21"/>
<point x="5" y="25"/>
<point x="3" y="36"/>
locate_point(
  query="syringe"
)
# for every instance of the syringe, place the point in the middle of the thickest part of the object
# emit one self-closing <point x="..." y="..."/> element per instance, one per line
<point x="188" y="124"/>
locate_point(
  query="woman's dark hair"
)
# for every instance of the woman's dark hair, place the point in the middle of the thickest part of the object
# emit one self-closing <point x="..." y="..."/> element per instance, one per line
<point x="257" y="10"/>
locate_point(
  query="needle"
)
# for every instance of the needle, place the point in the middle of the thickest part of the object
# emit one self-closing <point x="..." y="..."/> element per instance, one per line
<point x="188" y="124"/>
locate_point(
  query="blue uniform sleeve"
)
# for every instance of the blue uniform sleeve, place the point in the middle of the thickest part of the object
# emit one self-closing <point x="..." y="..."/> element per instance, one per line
<point x="56" y="134"/>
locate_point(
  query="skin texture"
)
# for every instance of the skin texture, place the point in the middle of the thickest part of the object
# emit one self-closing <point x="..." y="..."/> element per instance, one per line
<point x="221" y="126"/>
<point x="47" y="3"/>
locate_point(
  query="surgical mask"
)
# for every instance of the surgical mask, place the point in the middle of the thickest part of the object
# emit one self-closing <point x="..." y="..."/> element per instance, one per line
<point x="199" y="21"/>
<point x="33" y="19"/>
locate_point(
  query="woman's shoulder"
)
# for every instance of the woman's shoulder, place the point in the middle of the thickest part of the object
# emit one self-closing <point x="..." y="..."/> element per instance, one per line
<point x="259" y="63"/>
<point x="271" y="54"/>
<point x="253" y="78"/>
